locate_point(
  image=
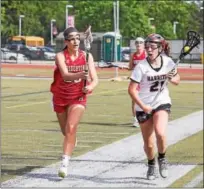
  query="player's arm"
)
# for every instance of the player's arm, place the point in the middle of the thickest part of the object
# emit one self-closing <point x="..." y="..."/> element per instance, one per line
<point x="135" y="79"/>
<point x="175" y="80"/>
<point x="130" y="67"/>
<point x="174" y="77"/>
<point x="92" y="73"/>
<point x="67" y="76"/>
<point x="133" y="85"/>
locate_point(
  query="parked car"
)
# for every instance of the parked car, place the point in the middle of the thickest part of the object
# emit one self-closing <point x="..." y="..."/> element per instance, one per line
<point x="125" y="54"/>
<point x="49" y="53"/>
<point x="32" y="53"/>
<point x="49" y="49"/>
<point x="6" y="54"/>
<point x="14" y="46"/>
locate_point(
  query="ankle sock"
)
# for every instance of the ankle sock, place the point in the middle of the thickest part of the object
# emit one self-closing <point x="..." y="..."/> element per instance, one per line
<point x="65" y="160"/>
<point x="161" y="155"/>
<point x="151" y="161"/>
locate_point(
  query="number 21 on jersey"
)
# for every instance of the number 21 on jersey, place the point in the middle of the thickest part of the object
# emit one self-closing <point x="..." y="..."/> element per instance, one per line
<point x="156" y="86"/>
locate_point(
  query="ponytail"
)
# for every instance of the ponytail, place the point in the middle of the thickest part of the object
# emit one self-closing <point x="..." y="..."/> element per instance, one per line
<point x="167" y="49"/>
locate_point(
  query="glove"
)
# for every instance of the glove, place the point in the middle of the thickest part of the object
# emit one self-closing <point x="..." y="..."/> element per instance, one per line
<point x="172" y="73"/>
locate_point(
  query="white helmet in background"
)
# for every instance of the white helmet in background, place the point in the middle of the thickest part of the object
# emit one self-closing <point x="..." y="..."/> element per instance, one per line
<point x="140" y="40"/>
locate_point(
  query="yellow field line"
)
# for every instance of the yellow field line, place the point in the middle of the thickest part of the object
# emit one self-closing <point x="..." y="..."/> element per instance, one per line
<point x="43" y="102"/>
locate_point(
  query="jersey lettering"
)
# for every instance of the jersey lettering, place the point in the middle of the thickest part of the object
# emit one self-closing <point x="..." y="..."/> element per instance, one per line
<point x="74" y="81"/>
<point x="156" y="85"/>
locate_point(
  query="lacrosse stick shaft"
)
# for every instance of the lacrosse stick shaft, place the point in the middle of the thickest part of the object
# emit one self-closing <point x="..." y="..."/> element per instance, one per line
<point x="87" y="44"/>
<point x="165" y="83"/>
<point x="86" y="67"/>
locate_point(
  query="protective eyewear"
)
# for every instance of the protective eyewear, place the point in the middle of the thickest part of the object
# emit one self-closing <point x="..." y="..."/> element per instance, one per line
<point x="139" y="42"/>
<point x="73" y="39"/>
<point x="153" y="46"/>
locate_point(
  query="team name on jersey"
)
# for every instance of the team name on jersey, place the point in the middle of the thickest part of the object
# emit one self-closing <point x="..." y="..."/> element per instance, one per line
<point x="156" y="77"/>
<point x="76" y="68"/>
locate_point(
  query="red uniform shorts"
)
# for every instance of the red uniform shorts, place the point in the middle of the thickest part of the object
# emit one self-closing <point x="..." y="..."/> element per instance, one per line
<point x="60" y="105"/>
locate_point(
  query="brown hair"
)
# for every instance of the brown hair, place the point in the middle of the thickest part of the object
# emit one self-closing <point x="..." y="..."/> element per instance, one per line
<point x="68" y="31"/>
<point x="167" y="49"/>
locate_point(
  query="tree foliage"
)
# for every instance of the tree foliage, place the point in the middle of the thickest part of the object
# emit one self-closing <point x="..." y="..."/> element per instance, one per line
<point x="133" y="17"/>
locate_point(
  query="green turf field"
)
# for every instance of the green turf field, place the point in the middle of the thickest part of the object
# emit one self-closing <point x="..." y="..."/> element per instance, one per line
<point x="31" y="136"/>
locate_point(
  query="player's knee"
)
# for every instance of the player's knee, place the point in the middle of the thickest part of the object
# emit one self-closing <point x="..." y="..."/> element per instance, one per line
<point x="161" y="137"/>
<point x="148" y="146"/>
<point x="71" y="129"/>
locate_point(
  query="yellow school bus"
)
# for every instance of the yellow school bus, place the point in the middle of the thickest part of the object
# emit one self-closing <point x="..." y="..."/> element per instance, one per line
<point x="28" y="40"/>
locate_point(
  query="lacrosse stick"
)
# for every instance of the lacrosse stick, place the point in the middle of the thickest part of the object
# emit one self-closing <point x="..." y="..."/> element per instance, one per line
<point x="111" y="65"/>
<point x="193" y="39"/>
<point x="87" y="45"/>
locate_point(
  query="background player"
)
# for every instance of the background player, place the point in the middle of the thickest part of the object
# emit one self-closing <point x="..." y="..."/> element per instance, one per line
<point x="137" y="56"/>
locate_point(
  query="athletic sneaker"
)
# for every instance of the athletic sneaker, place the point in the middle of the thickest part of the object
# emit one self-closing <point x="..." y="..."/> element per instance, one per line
<point x="63" y="171"/>
<point x="135" y="123"/>
<point x="163" y="170"/>
<point x="151" y="175"/>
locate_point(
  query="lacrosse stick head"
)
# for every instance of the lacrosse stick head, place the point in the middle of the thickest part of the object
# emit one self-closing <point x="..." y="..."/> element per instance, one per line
<point x="192" y="41"/>
<point x="88" y="39"/>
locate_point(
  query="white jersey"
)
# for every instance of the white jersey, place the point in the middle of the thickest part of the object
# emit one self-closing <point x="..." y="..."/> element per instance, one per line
<point x="151" y="80"/>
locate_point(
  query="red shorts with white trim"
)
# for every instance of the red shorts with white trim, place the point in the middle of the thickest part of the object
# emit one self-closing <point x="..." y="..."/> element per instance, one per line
<point x="60" y="105"/>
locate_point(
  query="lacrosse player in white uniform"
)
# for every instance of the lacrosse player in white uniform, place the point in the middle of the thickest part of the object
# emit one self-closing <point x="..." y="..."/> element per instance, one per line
<point x="151" y="74"/>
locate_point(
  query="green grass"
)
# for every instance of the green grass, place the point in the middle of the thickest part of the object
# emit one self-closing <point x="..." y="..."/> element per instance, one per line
<point x="31" y="137"/>
<point x="48" y="72"/>
<point x="187" y="151"/>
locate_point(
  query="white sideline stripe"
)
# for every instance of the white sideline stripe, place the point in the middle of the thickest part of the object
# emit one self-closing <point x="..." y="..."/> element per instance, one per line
<point x="195" y="181"/>
<point x="115" y="165"/>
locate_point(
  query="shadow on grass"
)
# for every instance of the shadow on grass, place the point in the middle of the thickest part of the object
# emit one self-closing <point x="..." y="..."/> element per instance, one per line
<point x="95" y="179"/>
<point x="104" y="124"/>
<point x="20" y="171"/>
<point x="52" y="176"/>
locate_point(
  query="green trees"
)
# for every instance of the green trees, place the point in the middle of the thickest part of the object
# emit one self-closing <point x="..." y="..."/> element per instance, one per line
<point x="134" y="15"/>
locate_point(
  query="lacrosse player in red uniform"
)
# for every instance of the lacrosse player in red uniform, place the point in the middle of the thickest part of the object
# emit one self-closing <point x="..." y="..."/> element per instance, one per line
<point x="69" y="92"/>
<point x="152" y="114"/>
<point x="139" y="55"/>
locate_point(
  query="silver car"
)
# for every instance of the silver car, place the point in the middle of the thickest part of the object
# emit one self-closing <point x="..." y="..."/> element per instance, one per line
<point x="12" y="57"/>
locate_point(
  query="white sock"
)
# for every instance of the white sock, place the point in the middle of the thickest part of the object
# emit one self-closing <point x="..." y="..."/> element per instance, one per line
<point x="65" y="160"/>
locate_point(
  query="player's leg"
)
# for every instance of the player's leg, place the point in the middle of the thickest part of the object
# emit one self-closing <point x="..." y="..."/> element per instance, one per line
<point x="160" y="119"/>
<point x="75" y="113"/>
<point x="148" y="138"/>
<point x="62" y="119"/>
<point x="135" y="121"/>
<point x="61" y="112"/>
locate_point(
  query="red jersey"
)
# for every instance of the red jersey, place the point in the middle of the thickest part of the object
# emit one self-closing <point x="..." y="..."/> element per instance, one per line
<point x="137" y="58"/>
<point x="68" y="90"/>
